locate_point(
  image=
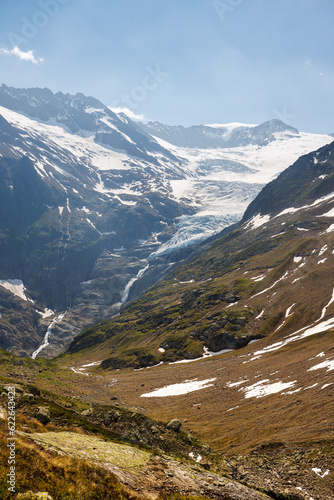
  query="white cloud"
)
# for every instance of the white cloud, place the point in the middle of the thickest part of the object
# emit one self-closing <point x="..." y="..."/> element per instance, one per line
<point x="129" y="113"/>
<point x="23" y="56"/>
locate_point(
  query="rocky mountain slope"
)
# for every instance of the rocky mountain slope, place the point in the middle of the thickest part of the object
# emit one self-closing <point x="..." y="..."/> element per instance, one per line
<point x="94" y="210"/>
<point x="197" y="308"/>
<point x="173" y="398"/>
<point x="187" y="346"/>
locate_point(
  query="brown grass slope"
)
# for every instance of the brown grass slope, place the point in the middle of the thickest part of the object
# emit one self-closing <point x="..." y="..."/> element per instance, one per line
<point x="81" y="455"/>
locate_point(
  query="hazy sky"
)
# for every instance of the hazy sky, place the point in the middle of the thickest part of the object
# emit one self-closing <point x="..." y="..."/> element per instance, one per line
<point x="179" y="61"/>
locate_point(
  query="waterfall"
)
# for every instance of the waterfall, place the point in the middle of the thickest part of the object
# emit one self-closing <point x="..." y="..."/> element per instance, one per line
<point x="47" y="335"/>
<point x="128" y="287"/>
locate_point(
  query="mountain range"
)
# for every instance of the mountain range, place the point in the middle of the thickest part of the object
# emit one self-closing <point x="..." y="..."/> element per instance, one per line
<point x="94" y="209"/>
<point x="183" y="278"/>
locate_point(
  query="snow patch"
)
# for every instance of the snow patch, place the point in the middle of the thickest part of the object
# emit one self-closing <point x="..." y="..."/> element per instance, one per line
<point x="330" y="229"/>
<point x="47" y="313"/>
<point x="287" y="313"/>
<point x="79" y="372"/>
<point x="235" y="384"/>
<point x="265" y="388"/>
<point x="330" y="213"/>
<point x="323" y="312"/>
<point x="197" y="458"/>
<point x="285" y="275"/>
<point x="260" y="315"/>
<point x="260" y="277"/>
<point x="309" y="331"/>
<point x="319" y="472"/>
<point x="16" y="287"/>
<point x="329" y="364"/>
<point x="257" y="221"/>
<point x="180" y="389"/>
<point x="323" y="250"/>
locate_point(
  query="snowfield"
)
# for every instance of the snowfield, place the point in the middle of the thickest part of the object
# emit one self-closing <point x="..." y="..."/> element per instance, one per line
<point x="179" y="389"/>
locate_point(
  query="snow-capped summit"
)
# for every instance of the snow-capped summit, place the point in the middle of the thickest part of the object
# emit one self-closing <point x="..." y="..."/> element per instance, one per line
<point x="83" y="116"/>
<point x="220" y="135"/>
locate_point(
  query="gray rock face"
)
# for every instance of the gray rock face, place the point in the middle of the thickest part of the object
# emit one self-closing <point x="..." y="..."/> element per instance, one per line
<point x="80" y="113"/>
<point x="74" y="242"/>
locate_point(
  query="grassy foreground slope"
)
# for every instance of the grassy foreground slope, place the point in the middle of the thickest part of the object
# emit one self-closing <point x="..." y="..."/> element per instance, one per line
<point x="73" y="450"/>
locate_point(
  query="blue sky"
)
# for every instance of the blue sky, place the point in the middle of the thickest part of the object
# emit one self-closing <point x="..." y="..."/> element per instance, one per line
<point x="179" y="61"/>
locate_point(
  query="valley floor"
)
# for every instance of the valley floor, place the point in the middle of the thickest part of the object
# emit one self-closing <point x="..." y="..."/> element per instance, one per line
<point x="270" y="419"/>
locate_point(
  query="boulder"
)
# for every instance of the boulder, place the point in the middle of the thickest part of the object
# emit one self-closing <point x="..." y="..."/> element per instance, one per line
<point x="87" y="413"/>
<point x="43" y="415"/>
<point x="174" y="425"/>
<point x="28" y="395"/>
<point x="111" y="416"/>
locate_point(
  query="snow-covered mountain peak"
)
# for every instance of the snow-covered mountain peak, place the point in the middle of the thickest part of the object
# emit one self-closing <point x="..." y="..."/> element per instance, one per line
<point x="229" y="135"/>
<point x="86" y="117"/>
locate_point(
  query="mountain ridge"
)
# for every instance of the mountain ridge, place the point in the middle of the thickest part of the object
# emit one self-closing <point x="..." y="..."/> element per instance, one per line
<point x="220" y="375"/>
<point x="214" y="136"/>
